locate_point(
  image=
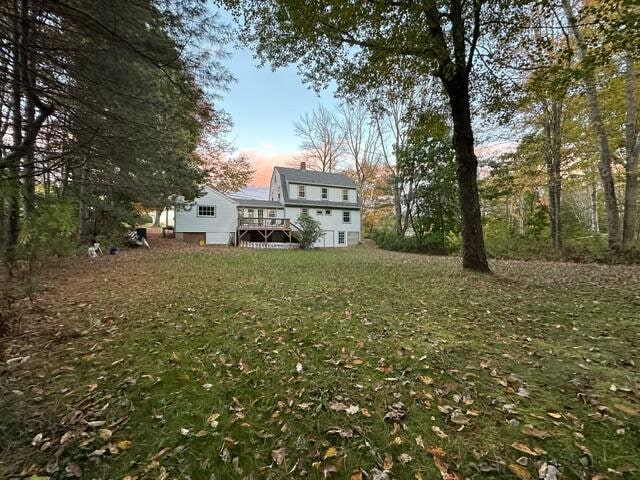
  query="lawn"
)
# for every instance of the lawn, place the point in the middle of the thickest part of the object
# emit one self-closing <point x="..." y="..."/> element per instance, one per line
<point x="358" y="363"/>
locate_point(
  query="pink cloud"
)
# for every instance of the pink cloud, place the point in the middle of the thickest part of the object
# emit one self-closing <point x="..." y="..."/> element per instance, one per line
<point x="263" y="163"/>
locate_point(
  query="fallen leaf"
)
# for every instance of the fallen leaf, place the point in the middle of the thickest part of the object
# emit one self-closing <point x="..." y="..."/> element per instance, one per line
<point x="299" y="367"/>
<point x="405" y="458"/>
<point x="124" y="444"/>
<point x="460" y="418"/>
<point x="534" y="451"/>
<point x="438" y="431"/>
<point x="427" y="380"/>
<point x="352" y="410"/>
<point x="357" y="475"/>
<point x="328" y="470"/>
<point x="330" y="452"/>
<point x="519" y="471"/>
<point x="534" y="432"/>
<point x="388" y="462"/>
<point x="278" y="455"/>
<point x="555" y="415"/>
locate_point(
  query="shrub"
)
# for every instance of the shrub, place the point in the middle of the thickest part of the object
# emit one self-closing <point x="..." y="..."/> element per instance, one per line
<point x="310" y="230"/>
<point x="389" y="240"/>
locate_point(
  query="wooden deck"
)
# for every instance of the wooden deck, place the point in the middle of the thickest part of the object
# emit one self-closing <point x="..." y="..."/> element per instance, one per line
<point x="276" y="230"/>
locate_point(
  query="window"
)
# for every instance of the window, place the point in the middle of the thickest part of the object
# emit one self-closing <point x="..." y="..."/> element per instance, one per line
<point x="206" y="211"/>
<point x="345" y="195"/>
<point x="271" y="213"/>
<point x="325" y="193"/>
<point x="250" y="213"/>
<point x="346" y="216"/>
<point x="300" y="191"/>
<point x="319" y="212"/>
<point x="260" y="213"/>
<point x="341" y="238"/>
<point x="305" y="211"/>
<point x="327" y="212"/>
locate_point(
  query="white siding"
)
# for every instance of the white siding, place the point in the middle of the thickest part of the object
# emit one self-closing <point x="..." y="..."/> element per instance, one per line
<point x="314" y="192"/>
<point x="331" y="224"/>
<point x="218" y="228"/>
<point x="275" y="189"/>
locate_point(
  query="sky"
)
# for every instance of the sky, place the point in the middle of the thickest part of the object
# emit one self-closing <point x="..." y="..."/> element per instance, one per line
<point x="263" y="105"/>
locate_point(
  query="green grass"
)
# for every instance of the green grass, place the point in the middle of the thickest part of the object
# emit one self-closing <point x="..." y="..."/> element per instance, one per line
<point x="366" y="325"/>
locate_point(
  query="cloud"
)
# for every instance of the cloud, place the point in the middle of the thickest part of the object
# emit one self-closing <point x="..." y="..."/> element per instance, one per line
<point x="263" y="163"/>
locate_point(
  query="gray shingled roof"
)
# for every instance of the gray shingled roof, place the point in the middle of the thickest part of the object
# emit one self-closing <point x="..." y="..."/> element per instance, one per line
<point x="250" y="202"/>
<point x="311" y="177"/>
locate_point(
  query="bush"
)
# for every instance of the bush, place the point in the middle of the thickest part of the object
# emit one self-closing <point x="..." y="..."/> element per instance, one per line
<point x="389" y="240"/>
<point x="310" y="230"/>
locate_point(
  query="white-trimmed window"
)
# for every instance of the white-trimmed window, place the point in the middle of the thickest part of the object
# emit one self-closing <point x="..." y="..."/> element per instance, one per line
<point x="341" y="238"/>
<point x="345" y="195"/>
<point x="206" y="211"/>
<point x="301" y="191"/>
<point x="250" y="212"/>
<point x="327" y="212"/>
<point x="260" y="213"/>
<point x="346" y="216"/>
<point x="325" y="193"/>
<point x="271" y="213"/>
<point x="305" y="211"/>
<point x="319" y="212"/>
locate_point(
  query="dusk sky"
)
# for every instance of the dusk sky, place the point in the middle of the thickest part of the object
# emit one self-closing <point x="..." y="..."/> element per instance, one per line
<point x="263" y="105"/>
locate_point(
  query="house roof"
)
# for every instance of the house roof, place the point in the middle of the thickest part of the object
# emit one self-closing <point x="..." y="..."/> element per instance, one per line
<point x="251" y="202"/>
<point x="311" y="177"/>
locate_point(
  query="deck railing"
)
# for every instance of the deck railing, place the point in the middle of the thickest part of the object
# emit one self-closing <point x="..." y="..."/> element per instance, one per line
<point x="263" y="222"/>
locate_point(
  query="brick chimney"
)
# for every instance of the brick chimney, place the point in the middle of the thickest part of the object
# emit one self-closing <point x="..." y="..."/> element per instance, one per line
<point x="303" y="165"/>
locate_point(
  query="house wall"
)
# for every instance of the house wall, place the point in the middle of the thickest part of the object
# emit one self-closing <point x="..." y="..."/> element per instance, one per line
<point x="275" y="189"/>
<point x="314" y="192"/>
<point x="218" y="229"/>
<point x="244" y="212"/>
<point x="331" y="224"/>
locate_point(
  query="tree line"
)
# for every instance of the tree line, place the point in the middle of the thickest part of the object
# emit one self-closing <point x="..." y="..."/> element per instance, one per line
<point x="102" y="106"/>
<point x="558" y="76"/>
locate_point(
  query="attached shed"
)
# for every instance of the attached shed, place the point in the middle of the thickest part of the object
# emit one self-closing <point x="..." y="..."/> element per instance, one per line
<point x="212" y="218"/>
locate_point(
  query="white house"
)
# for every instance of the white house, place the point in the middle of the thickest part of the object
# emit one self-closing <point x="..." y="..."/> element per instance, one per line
<point x="331" y="198"/>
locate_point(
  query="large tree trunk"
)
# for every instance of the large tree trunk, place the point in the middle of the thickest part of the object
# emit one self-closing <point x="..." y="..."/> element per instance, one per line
<point x="474" y="256"/>
<point x="631" y="167"/>
<point x="602" y="139"/>
<point x="397" y="205"/>
<point x="16" y="127"/>
<point x="553" y="140"/>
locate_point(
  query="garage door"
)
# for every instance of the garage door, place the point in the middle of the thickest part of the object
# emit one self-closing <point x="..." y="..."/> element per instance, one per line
<point x="218" y="238"/>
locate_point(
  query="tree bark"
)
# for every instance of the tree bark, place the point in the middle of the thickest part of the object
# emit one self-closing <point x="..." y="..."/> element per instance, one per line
<point x="602" y="139"/>
<point x="632" y="148"/>
<point x="474" y="256"/>
<point x="156" y="220"/>
<point x="553" y="140"/>
<point x="16" y="127"/>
